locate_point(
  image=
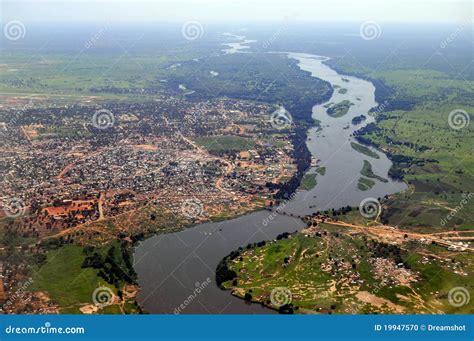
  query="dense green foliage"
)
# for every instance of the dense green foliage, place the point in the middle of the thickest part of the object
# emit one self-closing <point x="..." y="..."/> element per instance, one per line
<point x="113" y="263"/>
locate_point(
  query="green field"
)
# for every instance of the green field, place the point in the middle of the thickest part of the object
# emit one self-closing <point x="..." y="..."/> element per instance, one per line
<point x="335" y="273"/>
<point x="63" y="278"/>
<point x="71" y="274"/>
<point x="434" y="159"/>
<point x="110" y="75"/>
<point x="325" y="273"/>
<point x="440" y="172"/>
<point x="225" y="143"/>
<point x="440" y="175"/>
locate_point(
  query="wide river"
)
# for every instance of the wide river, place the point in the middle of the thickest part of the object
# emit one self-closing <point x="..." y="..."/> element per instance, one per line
<point x="171" y="266"/>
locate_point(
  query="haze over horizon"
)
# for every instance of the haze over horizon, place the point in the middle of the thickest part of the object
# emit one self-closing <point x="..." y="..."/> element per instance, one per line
<point x="167" y="11"/>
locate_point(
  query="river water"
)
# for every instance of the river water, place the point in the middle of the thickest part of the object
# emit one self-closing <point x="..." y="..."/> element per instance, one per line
<point x="331" y="145"/>
<point x="170" y="267"/>
<point x="239" y="46"/>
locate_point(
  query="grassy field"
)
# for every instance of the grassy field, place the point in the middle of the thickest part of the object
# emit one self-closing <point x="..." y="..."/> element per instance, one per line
<point x="426" y="84"/>
<point x="440" y="184"/>
<point x="63" y="278"/>
<point x="441" y="173"/>
<point x="71" y="284"/>
<point x="335" y="273"/>
<point x="318" y="271"/>
<point x="84" y="74"/>
<point x="225" y="143"/>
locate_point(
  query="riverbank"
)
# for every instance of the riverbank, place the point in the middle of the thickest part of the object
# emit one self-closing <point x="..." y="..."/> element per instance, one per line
<point x="202" y="247"/>
<point x="370" y="270"/>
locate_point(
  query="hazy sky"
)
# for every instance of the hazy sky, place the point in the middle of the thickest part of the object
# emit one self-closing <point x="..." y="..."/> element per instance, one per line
<point x="236" y="10"/>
